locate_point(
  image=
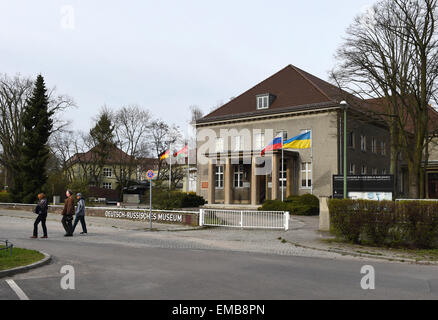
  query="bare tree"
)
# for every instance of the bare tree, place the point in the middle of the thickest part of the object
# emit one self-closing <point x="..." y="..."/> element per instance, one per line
<point x="391" y="54"/>
<point x="62" y="147"/>
<point x="161" y="137"/>
<point x="132" y="125"/>
<point x="14" y="93"/>
<point x="196" y="113"/>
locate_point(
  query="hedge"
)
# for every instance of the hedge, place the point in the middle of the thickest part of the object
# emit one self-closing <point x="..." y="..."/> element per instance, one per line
<point x="275" y="205"/>
<point x="5" y="197"/>
<point x="305" y="205"/>
<point x="175" y="200"/>
<point x="412" y="224"/>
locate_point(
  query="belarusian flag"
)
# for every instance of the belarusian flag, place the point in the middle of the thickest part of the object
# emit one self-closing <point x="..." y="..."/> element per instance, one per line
<point x="183" y="152"/>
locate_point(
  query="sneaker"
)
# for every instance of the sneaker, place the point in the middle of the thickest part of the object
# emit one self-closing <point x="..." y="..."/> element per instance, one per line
<point x="83" y="233"/>
<point x="33" y="237"/>
<point x="68" y="235"/>
<point x="44" y="237"/>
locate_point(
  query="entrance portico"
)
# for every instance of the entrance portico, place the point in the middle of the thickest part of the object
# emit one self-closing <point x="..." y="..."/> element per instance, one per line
<point x="248" y="178"/>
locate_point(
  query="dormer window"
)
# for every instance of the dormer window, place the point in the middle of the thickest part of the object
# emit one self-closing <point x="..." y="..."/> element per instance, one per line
<point x="263" y="101"/>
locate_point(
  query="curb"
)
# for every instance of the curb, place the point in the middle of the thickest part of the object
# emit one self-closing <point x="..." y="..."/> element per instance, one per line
<point x="371" y="256"/>
<point x="10" y="272"/>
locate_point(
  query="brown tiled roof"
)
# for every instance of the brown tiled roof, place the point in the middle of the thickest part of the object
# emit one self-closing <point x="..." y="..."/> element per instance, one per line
<point x="294" y="90"/>
<point x="298" y="90"/>
<point x="116" y="156"/>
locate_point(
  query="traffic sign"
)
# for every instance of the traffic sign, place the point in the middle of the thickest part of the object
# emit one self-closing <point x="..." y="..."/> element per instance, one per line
<point x="150" y="174"/>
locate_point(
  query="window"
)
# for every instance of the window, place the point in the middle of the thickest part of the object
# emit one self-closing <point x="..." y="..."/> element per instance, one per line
<point x="259" y="141"/>
<point x="350" y="140"/>
<point x="219" y="144"/>
<point x="363" y="143"/>
<point x="283" y="134"/>
<point x="238" y="176"/>
<point x="107" y="185"/>
<point x="383" y="148"/>
<point x="107" y="172"/>
<point x="263" y="102"/>
<point x="373" y="145"/>
<point x="352" y="169"/>
<point x="220" y="177"/>
<point x="364" y="170"/>
<point x="238" y="143"/>
<point x="374" y="172"/>
<point x="283" y="172"/>
<point x="306" y="175"/>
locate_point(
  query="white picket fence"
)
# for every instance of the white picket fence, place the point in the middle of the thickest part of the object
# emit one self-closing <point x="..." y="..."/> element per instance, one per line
<point x="244" y="219"/>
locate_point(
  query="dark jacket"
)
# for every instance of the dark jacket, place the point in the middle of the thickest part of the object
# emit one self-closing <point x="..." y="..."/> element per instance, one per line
<point x="42" y="207"/>
<point x="69" y="207"/>
<point x="80" y="209"/>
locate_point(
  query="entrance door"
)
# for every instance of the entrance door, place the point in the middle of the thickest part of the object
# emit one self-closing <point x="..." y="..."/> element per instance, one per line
<point x="433" y="185"/>
<point x="262" y="188"/>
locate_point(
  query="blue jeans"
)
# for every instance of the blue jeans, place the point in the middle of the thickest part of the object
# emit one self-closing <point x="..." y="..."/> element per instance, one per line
<point x="82" y="220"/>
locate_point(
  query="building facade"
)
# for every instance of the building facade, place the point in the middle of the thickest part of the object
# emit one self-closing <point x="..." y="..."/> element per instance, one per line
<point x="102" y="172"/>
<point x="231" y="169"/>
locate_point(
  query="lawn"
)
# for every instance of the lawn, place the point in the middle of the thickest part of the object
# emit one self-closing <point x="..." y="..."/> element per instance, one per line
<point x="20" y="257"/>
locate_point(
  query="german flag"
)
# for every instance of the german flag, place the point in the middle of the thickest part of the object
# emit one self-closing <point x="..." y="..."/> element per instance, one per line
<point x="165" y="155"/>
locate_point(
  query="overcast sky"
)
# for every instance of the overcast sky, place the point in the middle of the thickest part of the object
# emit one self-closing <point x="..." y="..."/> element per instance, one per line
<point x="167" y="55"/>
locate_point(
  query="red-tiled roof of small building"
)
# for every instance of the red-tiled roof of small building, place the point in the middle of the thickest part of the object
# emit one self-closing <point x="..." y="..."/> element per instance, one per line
<point x="116" y="156"/>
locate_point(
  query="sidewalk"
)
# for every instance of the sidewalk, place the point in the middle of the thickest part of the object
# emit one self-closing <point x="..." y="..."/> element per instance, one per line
<point x="307" y="235"/>
<point x="302" y="239"/>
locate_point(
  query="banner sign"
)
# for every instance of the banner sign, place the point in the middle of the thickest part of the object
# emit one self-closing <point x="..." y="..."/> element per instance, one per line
<point x="364" y="187"/>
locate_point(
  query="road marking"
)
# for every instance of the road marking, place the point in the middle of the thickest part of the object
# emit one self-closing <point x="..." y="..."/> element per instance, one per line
<point x="17" y="290"/>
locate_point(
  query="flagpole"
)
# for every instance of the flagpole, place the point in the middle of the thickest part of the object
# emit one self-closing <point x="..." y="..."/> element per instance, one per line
<point x="170" y="169"/>
<point x="188" y="166"/>
<point x="282" y="168"/>
<point x="311" y="159"/>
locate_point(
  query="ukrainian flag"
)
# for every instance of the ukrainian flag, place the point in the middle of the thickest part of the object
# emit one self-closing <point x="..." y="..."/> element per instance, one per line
<point x="303" y="141"/>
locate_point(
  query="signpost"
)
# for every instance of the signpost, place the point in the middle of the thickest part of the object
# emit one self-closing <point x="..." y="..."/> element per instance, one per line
<point x="150" y="175"/>
<point x="380" y="187"/>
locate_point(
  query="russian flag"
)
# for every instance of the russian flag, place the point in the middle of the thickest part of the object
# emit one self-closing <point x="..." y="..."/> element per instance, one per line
<point x="274" y="145"/>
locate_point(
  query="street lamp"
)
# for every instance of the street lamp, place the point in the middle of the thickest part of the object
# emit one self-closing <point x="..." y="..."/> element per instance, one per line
<point x="344" y="106"/>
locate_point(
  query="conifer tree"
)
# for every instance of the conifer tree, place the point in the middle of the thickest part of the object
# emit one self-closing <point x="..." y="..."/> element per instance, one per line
<point x="34" y="151"/>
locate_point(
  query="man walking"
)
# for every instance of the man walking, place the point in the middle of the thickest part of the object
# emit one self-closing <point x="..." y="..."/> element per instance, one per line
<point x="67" y="214"/>
<point x="80" y="214"/>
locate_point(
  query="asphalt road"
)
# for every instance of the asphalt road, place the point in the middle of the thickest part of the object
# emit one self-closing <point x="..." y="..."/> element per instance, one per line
<point x="111" y="263"/>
